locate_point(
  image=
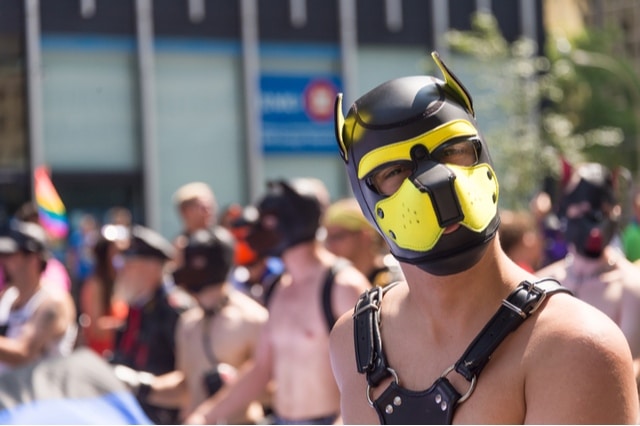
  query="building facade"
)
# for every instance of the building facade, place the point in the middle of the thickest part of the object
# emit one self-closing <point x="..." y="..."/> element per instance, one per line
<point x="126" y="100"/>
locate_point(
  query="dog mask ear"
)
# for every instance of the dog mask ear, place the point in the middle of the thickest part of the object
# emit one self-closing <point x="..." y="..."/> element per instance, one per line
<point x="454" y="85"/>
<point x="339" y="125"/>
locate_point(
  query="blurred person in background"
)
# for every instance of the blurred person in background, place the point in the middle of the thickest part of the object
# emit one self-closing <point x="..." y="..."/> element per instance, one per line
<point x="146" y="341"/>
<point x="351" y="236"/>
<point x="101" y="313"/>
<point x="316" y="288"/>
<point x="197" y="208"/>
<point x="595" y="270"/>
<point x="80" y="259"/>
<point x="118" y="215"/>
<point x="257" y="276"/>
<point x="56" y="273"/>
<point x="218" y="337"/>
<point x="520" y="239"/>
<point x="254" y="274"/>
<point x="555" y="246"/>
<point x="36" y="320"/>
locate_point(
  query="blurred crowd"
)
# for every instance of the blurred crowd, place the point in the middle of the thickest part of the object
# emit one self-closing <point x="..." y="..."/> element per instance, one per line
<point x="229" y="321"/>
<point x="181" y="318"/>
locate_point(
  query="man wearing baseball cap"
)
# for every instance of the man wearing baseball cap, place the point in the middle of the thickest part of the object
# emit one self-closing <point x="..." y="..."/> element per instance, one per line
<point x="35" y="322"/>
<point x="146" y="341"/>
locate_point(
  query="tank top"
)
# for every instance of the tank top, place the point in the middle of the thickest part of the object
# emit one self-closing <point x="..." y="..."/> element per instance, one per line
<point x="13" y="321"/>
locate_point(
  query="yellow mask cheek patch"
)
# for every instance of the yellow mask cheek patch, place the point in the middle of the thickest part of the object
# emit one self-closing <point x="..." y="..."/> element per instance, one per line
<point x="477" y="189"/>
<point x="408" y="218"/>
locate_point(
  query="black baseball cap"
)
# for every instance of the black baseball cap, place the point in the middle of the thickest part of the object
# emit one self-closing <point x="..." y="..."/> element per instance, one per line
<point x="148" y="243"/>
<point x="26" y="237"/>
<point x="208" y="259"/>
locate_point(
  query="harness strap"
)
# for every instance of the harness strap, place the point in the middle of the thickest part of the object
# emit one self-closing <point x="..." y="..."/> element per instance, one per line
<point x="327" y="290"/>
<point x="516" y="308"/>
<point x="370" y="358"/>
<point x="270" y="286"/>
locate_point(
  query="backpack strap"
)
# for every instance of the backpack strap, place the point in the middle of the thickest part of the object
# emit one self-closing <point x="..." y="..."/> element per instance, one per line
<point x="327" y="290"/>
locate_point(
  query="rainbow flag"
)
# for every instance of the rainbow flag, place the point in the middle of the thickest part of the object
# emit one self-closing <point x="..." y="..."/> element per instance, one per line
<point x="51" y="211"/>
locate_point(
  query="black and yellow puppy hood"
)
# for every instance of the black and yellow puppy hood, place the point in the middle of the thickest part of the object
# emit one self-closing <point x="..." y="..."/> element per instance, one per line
<point x="416" y="125"/>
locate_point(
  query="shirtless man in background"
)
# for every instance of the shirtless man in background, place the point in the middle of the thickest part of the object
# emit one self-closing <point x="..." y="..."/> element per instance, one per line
<point x="293" y="351"/>
<point x="216" y="338"/>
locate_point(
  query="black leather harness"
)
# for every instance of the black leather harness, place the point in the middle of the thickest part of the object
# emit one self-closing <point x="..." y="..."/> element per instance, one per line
<point x="436" y="405"/>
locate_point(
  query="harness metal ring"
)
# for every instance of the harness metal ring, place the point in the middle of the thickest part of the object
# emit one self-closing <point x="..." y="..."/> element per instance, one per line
<point x="472" y="386"/>
<point x="395" y="379"/>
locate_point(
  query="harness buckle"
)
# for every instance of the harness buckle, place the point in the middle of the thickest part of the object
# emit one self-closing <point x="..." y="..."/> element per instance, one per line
<point x="539" y="293"/>
<point x="535" y="296"/>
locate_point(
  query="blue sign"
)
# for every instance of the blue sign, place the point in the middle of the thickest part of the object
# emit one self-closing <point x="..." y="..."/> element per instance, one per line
<point x="297" y="113"/>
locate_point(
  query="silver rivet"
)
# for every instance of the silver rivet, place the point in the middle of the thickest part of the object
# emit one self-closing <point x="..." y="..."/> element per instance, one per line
<point x="397" y="401"/>
<point x="388" y="409"/>
<point x="443" y="405"/>
<point x="438" y="398"/>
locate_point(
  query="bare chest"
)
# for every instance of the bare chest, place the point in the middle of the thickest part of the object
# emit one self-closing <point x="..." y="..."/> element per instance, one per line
<point x="298" y="320"/>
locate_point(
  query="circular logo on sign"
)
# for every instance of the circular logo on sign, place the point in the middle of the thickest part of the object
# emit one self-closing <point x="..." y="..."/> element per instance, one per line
<point x="319" y="97"/>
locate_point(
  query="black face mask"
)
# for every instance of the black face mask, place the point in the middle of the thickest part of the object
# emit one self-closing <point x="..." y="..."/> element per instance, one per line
<point x="266" y="242"/>
<point x="590" y="233"/>
<point x="286" y="217"/>
<point x="593" y="229"/>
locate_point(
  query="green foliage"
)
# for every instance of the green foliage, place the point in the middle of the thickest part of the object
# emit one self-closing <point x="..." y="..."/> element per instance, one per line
<point x="560" y="106"/>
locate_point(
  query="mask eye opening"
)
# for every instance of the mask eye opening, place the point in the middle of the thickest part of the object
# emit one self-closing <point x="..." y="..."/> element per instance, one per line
<point x="390" y="176"/>
<point x="446" y="154"/>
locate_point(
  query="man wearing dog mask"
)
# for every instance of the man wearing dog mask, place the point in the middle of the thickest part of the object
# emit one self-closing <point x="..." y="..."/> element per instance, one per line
<point x="293" y="350"/>
<point x="594" y="269"/>
<point x="469" y="337"/>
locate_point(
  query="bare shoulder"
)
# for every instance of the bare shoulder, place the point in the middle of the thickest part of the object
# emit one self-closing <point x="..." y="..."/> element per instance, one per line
<point x="249" y="308"/>
<point x="350" y="283"/>
<point x="58" y="300"/>
<point x="190" y="317"/>
<point x="578" y="366"/>
<point x="352" y="280"/>
<point x="566" y="319"/>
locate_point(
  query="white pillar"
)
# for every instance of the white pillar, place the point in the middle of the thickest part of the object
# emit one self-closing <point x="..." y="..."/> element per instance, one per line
<point x="251" y="76"/>
<point x="34" y="83"/>
<point x="146" y="79"/>
<point x="440" y="25"/>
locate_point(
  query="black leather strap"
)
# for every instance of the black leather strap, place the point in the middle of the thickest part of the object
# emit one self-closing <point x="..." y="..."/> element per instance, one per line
<point x="519" y="305"/>
<point x="370" y="358"/>
<point x="516" y="308"/>
<point x="327" y="290"/>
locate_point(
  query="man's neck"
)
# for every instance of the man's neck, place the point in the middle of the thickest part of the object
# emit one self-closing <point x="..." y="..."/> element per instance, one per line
<point x="26" y="291"/>
<point x="454" y="300"/>
<point x="214" y="297"/>
<point x="305" y="259"/>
